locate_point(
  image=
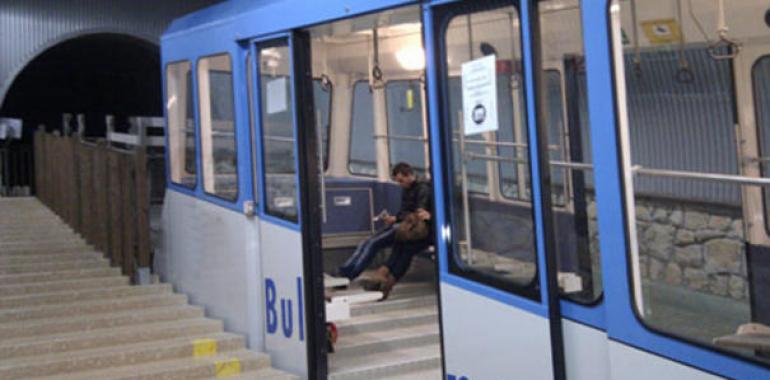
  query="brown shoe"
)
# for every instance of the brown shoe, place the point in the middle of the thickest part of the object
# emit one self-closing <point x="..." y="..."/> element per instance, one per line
<point x="377" y="280"/>
<point x="387" y="286"/>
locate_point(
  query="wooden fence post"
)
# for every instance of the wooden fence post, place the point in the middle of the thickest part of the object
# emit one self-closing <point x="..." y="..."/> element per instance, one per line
<point x="129" y="214"/>
<point x="142" y="207"/>
<point x="115" y="209"/>
<point x="101" y="199"/>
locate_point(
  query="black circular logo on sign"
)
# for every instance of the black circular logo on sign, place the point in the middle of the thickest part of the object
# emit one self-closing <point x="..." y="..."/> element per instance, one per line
<point x="479" y="114"/>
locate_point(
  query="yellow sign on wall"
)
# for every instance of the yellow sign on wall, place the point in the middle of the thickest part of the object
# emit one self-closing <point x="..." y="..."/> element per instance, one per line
<point x="663" y="31"/>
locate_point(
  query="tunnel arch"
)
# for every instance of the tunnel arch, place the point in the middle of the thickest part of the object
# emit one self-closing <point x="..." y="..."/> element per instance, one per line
<point x="96" y="72"/>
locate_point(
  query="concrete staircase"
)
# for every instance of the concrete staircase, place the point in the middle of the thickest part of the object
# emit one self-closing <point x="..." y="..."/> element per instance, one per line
<point x="394" y="339"/>
<point x="66" y="314"/>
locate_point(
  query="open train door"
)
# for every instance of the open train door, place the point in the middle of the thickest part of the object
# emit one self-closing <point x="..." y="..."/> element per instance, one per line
<point x="286" y="164"/>
<point x="499" y="303"/>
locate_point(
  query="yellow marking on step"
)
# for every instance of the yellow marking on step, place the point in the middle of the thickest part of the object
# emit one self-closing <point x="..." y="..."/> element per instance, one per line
<point x="204" y="348"/>
<point x="228" y="367"/>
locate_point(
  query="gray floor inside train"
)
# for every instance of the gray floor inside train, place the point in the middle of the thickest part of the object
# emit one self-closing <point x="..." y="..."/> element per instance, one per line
<point x="394" y="339"/>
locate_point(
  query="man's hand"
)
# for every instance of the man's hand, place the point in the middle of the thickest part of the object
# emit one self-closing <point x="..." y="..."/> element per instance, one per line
<point x="423" y="214"/>
<point x="389" y="220"/>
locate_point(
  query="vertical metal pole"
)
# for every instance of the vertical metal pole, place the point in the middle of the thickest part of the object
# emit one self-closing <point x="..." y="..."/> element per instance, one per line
<point x="322" y="180"/>
<point x="464" y="162"/>
<point x="425" y="141"/>
<point x="466" y="205"/>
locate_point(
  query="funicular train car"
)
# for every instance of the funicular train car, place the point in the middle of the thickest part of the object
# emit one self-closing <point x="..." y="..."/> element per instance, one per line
<point x="599" y="173"/>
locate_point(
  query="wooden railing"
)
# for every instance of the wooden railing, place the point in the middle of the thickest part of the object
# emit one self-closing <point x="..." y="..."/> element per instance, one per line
<point x="101" y="192"/>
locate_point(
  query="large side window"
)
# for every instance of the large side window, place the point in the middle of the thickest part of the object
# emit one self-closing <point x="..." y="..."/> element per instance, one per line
<point x="405" y="123"/>
<point x="573" y="197"/>
<point x="692" y="277"/>
<point x="181" y="123"/>
<point x="363" y="156"/>
<point x="215" y="99"/>
<point x="278" y="138"/>
<point x="494" y="238"/>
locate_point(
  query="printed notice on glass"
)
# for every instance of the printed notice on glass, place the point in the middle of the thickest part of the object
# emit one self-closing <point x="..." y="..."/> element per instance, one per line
<point x="479" y="87"/>
<point x="276" y="95"/>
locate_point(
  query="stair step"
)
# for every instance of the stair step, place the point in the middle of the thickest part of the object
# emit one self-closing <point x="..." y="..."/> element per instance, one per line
<point x="366" y="343"/>
<point x="92" y="307"/>
<point x="18" y="240"/>
<point x="59" y="343"/>
<point x="24" y="278"/>
<point x="264" y="374"/>
<point x="389" y="320"/>
<point x="178" y="369"/>
<point x="44" y="245"/>
<point x="28" y="234"/>
<point x="77" y="284"/>
<point x="382" y="364"/>
<point x="73" y="296"/>
<point x="430" y="374"/>
<point x="46" y="251"/>
<point x="391" y="305"/>
<point x="47" y="267"/>
<point x="119" y="355"/>
<point x="21" y="258"/>
<point x="98" y="321"/>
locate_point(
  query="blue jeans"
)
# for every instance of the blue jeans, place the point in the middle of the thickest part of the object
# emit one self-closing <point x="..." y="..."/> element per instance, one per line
<point x="400" y="258"/>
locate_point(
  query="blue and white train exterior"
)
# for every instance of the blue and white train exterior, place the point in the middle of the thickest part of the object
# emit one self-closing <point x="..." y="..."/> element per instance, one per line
<point x="256" y="271"/>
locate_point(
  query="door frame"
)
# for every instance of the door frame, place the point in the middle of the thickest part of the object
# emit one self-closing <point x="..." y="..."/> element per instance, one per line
<point x="307" y="179"/>
<point x="435" y="15"/>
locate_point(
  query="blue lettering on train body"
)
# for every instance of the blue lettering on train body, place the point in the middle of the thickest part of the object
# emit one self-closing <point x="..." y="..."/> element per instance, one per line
<point x="454" y="377"/>
<point x="286" y="311"/>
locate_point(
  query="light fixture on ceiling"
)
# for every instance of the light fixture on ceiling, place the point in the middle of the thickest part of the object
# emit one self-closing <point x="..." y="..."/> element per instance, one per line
<point x="411" y="58"/>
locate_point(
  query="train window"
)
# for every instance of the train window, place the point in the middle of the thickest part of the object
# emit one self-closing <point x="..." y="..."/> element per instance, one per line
<point x="573" y="199"/>
<point x="405" y="123"/>
<point x="363" y="158"/>
<point x="181" y="123"/>
<point x="322" y="98"/>
<point x="278" y="139"/>
<point x="678" y="116"/>
<point x="215" y="100"/>
<point x="496" y="239"/>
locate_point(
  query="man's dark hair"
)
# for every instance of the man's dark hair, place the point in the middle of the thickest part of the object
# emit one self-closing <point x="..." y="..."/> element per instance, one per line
<point x="402" y="168"/>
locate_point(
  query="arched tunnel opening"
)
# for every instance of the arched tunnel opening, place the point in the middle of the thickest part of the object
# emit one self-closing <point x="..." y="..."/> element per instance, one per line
<point x="94" y="75"/>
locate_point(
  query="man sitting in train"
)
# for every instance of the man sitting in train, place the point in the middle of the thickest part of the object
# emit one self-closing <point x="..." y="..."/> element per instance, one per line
<point x="408" y="233"/>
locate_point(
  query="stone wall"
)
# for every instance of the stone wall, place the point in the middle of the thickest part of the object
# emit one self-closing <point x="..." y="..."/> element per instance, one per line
<point x="691" y="245"/>
<point x="695" y="246"/>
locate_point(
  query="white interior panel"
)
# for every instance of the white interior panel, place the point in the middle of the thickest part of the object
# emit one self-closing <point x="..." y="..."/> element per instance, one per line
<point x="632" y="364"/>
<point x="486" y="339"/>
<point x="585" y="352"/>
<point x="211" y="254"/>
<point x="282" y="266"/>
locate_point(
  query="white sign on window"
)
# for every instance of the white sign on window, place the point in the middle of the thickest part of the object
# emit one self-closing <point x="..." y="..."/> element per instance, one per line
<point x="276" y="95"/>
<point x="479" y="85"/>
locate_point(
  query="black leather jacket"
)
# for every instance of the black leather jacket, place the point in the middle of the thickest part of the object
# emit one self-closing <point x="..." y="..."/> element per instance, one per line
<point x="419" y="195"/>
